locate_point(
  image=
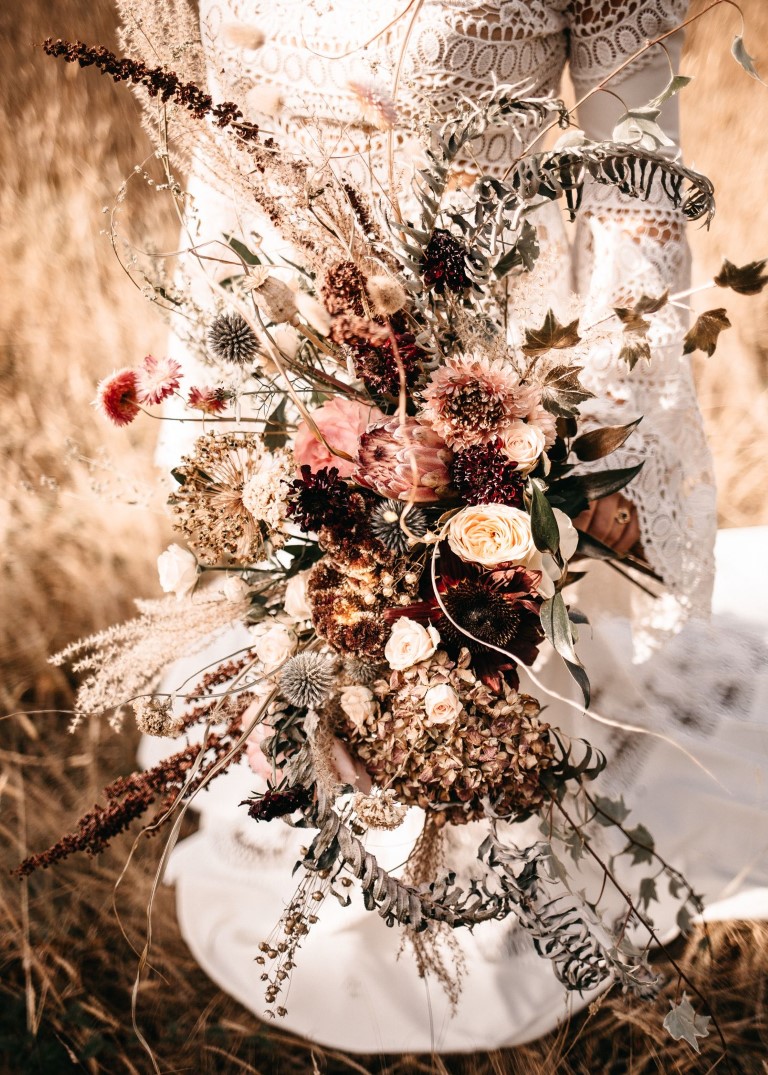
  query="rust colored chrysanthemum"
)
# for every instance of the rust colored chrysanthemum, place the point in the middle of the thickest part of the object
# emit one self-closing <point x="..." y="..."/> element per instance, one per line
<point x="117" y="397"/>
<point x="343" y="290"/>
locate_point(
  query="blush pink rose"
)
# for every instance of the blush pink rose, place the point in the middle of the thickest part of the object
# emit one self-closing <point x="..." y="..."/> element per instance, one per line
<point x="342" y="422"/>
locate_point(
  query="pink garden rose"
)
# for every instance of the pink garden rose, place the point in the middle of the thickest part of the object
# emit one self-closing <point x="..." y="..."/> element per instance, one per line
<point x="342" y="422"/>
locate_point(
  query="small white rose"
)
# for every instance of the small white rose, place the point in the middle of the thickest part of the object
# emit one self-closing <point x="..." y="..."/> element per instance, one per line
<point x="177" y="570"/>
<point x="410" y="643"/>
<point x="233" y="588"/>
<point x="523" y="443"/>
<point x="358" y="703"/>
<point x="274" y="643"/>
<point x="493" y="534"/>
<point x="296" y="604"/>
<point x="442" y="704"/>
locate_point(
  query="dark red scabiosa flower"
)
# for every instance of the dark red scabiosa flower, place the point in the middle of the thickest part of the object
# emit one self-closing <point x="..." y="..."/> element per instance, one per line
<point x="484" y="474"/>
<point x="323" y="499"/>
<point x="443" y="265"/>
<point x="377" y="367"/>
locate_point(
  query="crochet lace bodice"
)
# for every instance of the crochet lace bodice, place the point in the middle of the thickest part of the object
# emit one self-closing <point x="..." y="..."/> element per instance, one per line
<point x="322" y="72"/>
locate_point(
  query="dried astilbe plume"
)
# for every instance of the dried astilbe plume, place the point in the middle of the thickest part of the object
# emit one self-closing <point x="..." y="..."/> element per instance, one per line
<point x="125" y="660"/>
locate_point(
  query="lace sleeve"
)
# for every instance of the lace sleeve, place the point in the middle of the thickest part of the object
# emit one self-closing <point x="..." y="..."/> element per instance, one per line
<point x="625" y="248"/>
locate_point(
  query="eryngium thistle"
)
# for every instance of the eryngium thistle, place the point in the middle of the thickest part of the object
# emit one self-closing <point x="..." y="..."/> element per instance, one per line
<point x="232" y="339"/>
<point x="385" y="524"/>
<point x="306" y="679"/>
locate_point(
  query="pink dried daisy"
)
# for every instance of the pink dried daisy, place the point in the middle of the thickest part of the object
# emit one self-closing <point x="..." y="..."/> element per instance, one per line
<point x="471" y="399"/>
<point x="207" y="400"/>
<point x="116" y="396"/>
<point x="157" y="378"/>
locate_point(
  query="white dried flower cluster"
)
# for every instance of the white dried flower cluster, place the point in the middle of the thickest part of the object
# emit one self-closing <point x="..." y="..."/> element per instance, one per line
<point x="380" y="809"/>
<point x="155" y="716"/>
<point x="264" y="494"/>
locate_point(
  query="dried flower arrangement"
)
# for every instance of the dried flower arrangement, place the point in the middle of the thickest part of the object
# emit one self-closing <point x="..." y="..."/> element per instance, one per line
<point x="387" y="478"/>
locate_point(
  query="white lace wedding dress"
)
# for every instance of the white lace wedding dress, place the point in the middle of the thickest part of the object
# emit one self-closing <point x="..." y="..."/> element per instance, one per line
<point x="658" y="663"/>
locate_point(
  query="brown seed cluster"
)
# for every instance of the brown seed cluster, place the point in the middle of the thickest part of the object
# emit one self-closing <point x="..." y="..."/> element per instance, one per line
<point x="494" y="748"/>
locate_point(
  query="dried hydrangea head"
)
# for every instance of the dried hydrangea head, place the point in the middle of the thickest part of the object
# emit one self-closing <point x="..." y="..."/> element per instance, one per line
<point x="472" y="398"/>
<point x="380" y="809"/>
<point x="232" y="339"/>
<point x="117" y="398"/>
<point x="446" y="757"/>
<point x="155" y="716"/>
<point x="208" y="505"/>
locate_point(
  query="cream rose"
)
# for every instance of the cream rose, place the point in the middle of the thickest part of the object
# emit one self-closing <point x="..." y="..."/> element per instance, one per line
<point x="410" y="643"/>
<point x="523" y="443"/>
<point x="273" y="644"/>
<point x="442" y="704"/>
<point x="177" y="570"/>
<point x="233" y="588"/>
<point x="358" y="703"/>
<point x="296" y="604"/>
<point x="493" y="534"/>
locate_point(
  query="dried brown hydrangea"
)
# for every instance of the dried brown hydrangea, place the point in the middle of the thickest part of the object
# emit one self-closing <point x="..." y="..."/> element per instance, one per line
<point x="442" y="740"/>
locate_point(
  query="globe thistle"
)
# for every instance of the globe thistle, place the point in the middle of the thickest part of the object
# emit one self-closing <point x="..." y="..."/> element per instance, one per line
<point x="233" y="340"/>
<point x="385" y="524"/>
<point x="360" y="673"/>
<point x="306" y="679"/>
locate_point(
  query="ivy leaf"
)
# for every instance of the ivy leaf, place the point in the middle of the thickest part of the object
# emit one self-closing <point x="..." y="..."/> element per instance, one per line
<point x="633" y="349"/>
<point x="742" y="57"/>
<point x="557" y="628"/>
<point x="744" y="279"/>
<point x="632" y="320"/>
<point x="544" y="529"/>
<point x="640" y="845"/>
<point x="648" y="893"/>
<point x="616" y="810"/>
<point x="524" y="252"/>
<point x="562" y="391"/>
<point x="675" y="84"/>
<point x="651" y="304"/>
<point x="601" y="442"/>
<point x="684" y="919"/>
<point x="704" y="333"/>
<point x="683" y="1022"/>
<point x="551" y="335"/>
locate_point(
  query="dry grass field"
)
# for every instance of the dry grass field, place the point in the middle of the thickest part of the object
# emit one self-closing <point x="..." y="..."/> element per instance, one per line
<point x="78" y="543"/>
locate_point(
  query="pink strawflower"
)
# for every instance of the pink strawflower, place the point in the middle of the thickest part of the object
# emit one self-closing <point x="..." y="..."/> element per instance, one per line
<point x="405" y="461"/>
<point x="471" y="399"/>
<point x="342" y="422"/>
<point x="207" y="400"/>
<point x="157" y="378"/>
<point x="116" y="396"/>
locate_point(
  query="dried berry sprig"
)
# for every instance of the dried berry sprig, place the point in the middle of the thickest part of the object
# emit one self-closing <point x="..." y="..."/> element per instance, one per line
<point x="157" y="81"/>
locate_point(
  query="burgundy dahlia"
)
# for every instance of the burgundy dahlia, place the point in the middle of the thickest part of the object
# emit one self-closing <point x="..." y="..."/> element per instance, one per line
<point x="404" y="461"/>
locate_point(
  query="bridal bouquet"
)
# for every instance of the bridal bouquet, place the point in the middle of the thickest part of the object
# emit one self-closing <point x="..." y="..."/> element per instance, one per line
<point x="391" y="456"/>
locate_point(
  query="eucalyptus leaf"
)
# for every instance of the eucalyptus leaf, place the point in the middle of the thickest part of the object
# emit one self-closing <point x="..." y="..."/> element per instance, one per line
<point x="275" y="433"/>
<point x="742" y="57"/>
<point x="640" y="130"/>
<point x="242" y="251"/>
<point x="675" y="84"/>
<point x="601" y="442"/>
<point x="557" y="629"/>
<point x="705" y="332"/>
<point x="544" y="530"/>
<point x="574" y="493"/>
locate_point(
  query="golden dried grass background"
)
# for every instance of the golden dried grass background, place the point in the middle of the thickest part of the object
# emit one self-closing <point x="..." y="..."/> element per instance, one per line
<point x="74" y="554"/>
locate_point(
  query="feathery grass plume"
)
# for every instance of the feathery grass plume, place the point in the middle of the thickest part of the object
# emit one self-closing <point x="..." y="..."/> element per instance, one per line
<point x="125" y="660"/>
